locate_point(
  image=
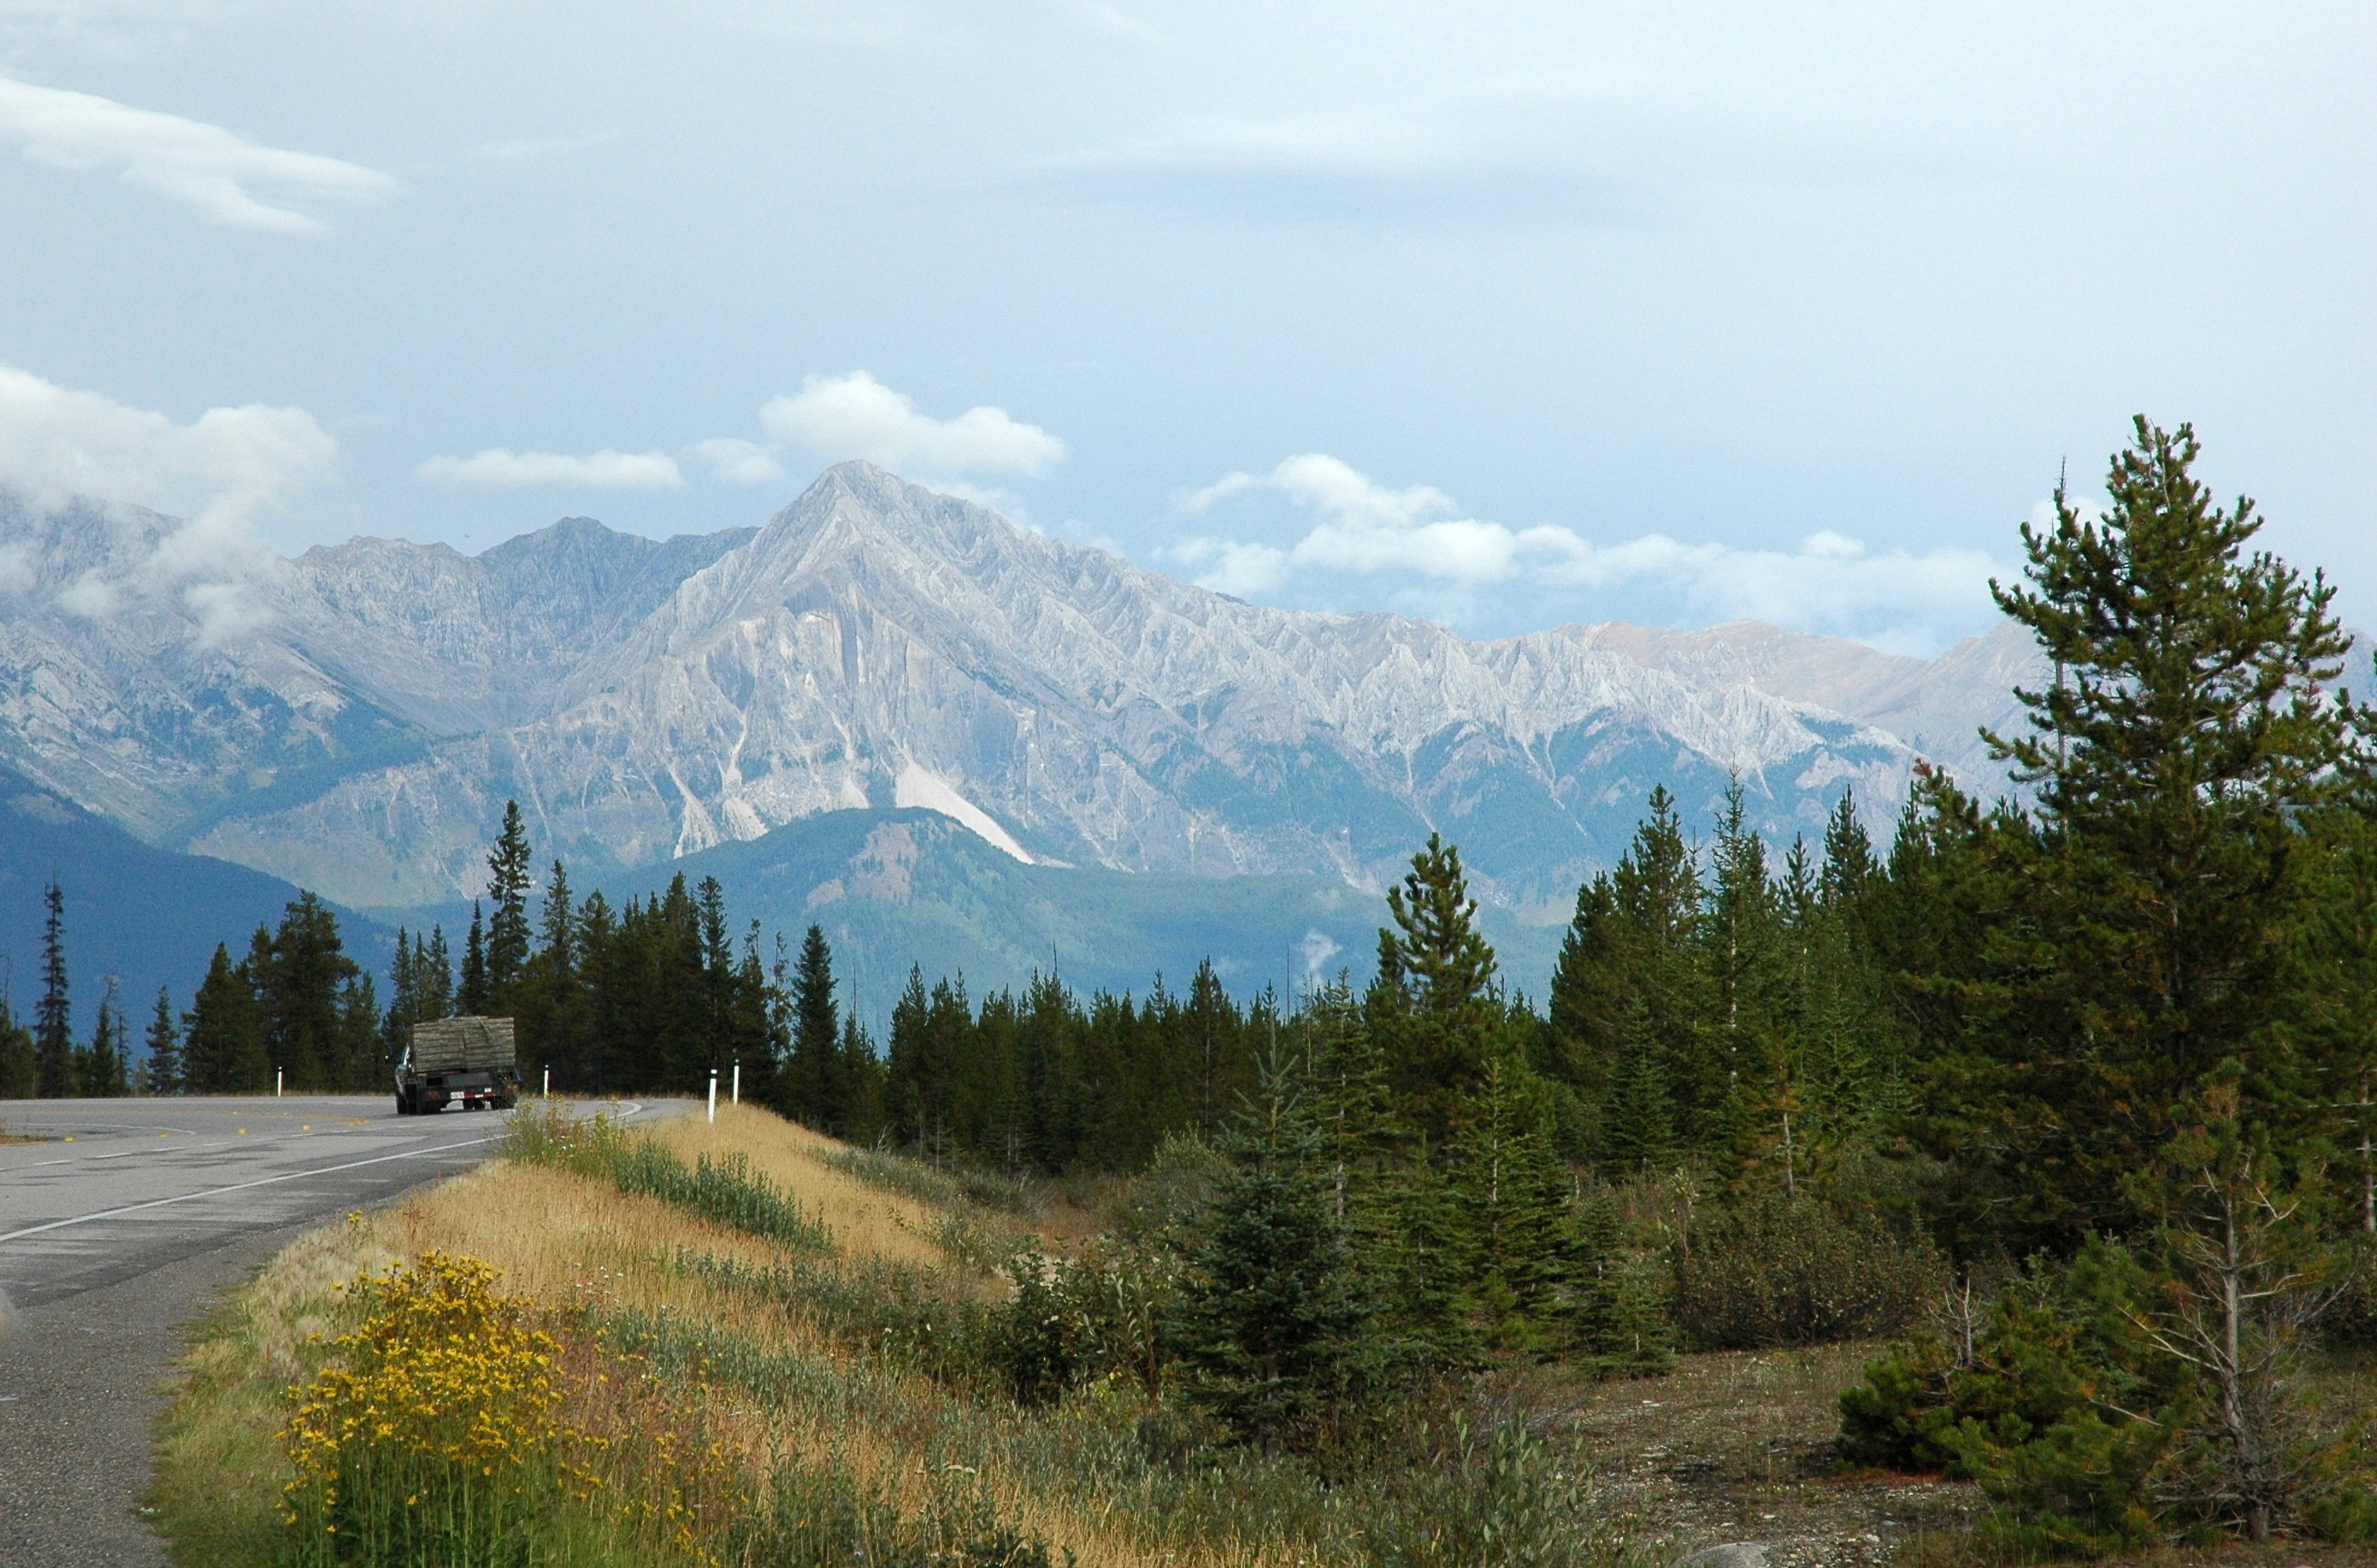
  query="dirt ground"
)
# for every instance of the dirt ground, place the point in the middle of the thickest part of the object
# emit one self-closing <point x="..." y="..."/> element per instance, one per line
<point x="1737" y="1447"/>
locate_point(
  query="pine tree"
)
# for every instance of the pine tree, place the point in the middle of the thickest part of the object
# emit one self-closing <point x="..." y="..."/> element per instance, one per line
<point x="863" y="1073"/>
<point x="1513" y="1196"/>
<point x="1215" y="1048"/>
<point x="1271" y="1325"/>
<point x="1617" y="1323"/>
<point x="506" y="942"/>
<point x="300" y="973"/>
<point x="1742" y="941"/>
<point x="1591" y="990"/>
<point x="222" y="1037"/>
<point x="598" y="945"/>
<point x="551" y="1009"/>
<point x="435" y="976"/>
<point x="54" y="1018"/>
<point x="1428" y="1266"/>
<point x="1442" y="972"/>
<point x="1353" y="1109"/>
<point x="2335" y="972"/>
<point x="19" y="1077"/>
<point x="471" y="998"/>
<point x="1639" y="1127"/>
<point x="2190" y="727"/>
<point x="164" y="1048"/>
<point x="912" y="1079"/>
<point x="1632" y="996"/>
<point x="105" y="1073"/>
<point x="812" y="1079"/>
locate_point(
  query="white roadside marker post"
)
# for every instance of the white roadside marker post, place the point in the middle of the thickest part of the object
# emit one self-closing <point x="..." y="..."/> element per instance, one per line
<point x="547" y="1092"/>
<point x="738" y="1080"/>
<point x="713" y="1094"/>
<point x="276" y="1081"/>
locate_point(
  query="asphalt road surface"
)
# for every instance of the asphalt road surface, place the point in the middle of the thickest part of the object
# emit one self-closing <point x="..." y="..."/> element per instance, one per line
<point x="118" y="1223"/>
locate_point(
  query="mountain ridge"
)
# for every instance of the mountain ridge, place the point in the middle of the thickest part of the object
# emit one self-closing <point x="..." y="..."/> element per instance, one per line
<point x="875" y="645"/>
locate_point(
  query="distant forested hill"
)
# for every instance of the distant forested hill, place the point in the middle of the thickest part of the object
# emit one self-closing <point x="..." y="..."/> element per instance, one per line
<point x="146" y="915"/>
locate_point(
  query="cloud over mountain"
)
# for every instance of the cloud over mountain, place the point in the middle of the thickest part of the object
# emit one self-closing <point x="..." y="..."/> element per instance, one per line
<point x="857" y="417"/>
<point x="1352" y="523"/>
<point x="222" y="471"/>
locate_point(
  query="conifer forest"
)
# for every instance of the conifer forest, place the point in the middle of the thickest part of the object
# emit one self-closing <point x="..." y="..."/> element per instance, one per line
<point x="2069" y="1098"/>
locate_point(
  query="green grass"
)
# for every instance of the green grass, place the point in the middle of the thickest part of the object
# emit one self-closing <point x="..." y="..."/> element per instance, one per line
<point x="724" y="1191"/>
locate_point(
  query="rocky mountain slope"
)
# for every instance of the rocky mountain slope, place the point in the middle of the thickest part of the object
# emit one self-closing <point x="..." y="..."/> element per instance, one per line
<point x="354" y="719"/>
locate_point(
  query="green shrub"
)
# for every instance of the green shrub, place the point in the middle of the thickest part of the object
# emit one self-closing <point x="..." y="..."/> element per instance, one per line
<point x="2063" y="1412"/>
<point x="941" y="1186"/>
<point x="1074" y="1320"/>
<point x="1502" y="1497"/>
<point x="1769" y="1272"/>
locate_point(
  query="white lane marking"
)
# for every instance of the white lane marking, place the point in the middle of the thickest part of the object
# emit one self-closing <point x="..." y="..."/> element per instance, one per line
<point x="265" y="1181"/>
<point x="243" y="1186"/>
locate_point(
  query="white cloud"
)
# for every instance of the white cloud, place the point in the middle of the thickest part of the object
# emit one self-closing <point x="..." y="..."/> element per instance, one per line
<point x="17" y="572"/>
<point x="91" y="596"/>
<point x="222" y="471"/>
<point x="1229" y="566"/>
<point x="1831" y="582"/>
<point x="230" y="179"/>
<point x="498" y="469"/>
<point x="228" y="465"/>
<point x="857" y="417"/>
<point x="738" y="461"/>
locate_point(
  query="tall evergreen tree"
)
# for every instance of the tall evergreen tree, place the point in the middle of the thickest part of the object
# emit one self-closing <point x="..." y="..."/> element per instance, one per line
<point x="2190" y="726"/>
<point x="223" y="1035"/>
<point x="550" y="1011"/>
<point x="105" y="1073"/>
<point x="164" y="1048"/>
<point x="1445" y="1010"/>
<point x="506" y="942"/>
<point x="1272" y="1324"/>
<point x="472" y="997"/>
<point x="1742" y="936"/>
<point x="300" y="975"/>
<point x="1639" y="1125"/>
<point x="1513" y="1195"/>
<point x="1632" y="1014"/>
<point x="812" y="1086"/>
<point x="54" y="1016"/>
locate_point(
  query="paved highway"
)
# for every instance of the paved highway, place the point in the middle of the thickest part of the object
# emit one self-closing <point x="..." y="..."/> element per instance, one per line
<point x="118" y="1222"/>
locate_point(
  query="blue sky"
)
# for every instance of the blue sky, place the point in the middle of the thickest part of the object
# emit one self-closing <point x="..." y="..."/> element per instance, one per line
<point x="1508" y="315"/>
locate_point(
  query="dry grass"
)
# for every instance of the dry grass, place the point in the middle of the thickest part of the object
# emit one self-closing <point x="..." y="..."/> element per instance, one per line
<point x="864" y="1220"/>
<point x="1074" y="1477"/>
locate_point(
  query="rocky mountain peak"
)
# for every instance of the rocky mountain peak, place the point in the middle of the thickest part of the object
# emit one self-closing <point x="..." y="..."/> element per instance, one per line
<point x="878" y="645"/>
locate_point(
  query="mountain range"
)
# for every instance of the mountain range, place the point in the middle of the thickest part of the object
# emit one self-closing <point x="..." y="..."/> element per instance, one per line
<point x="352" y="720"/>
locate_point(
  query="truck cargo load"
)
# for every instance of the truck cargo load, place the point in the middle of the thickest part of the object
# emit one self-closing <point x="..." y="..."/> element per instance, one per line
<point x="467" y="1062"/>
